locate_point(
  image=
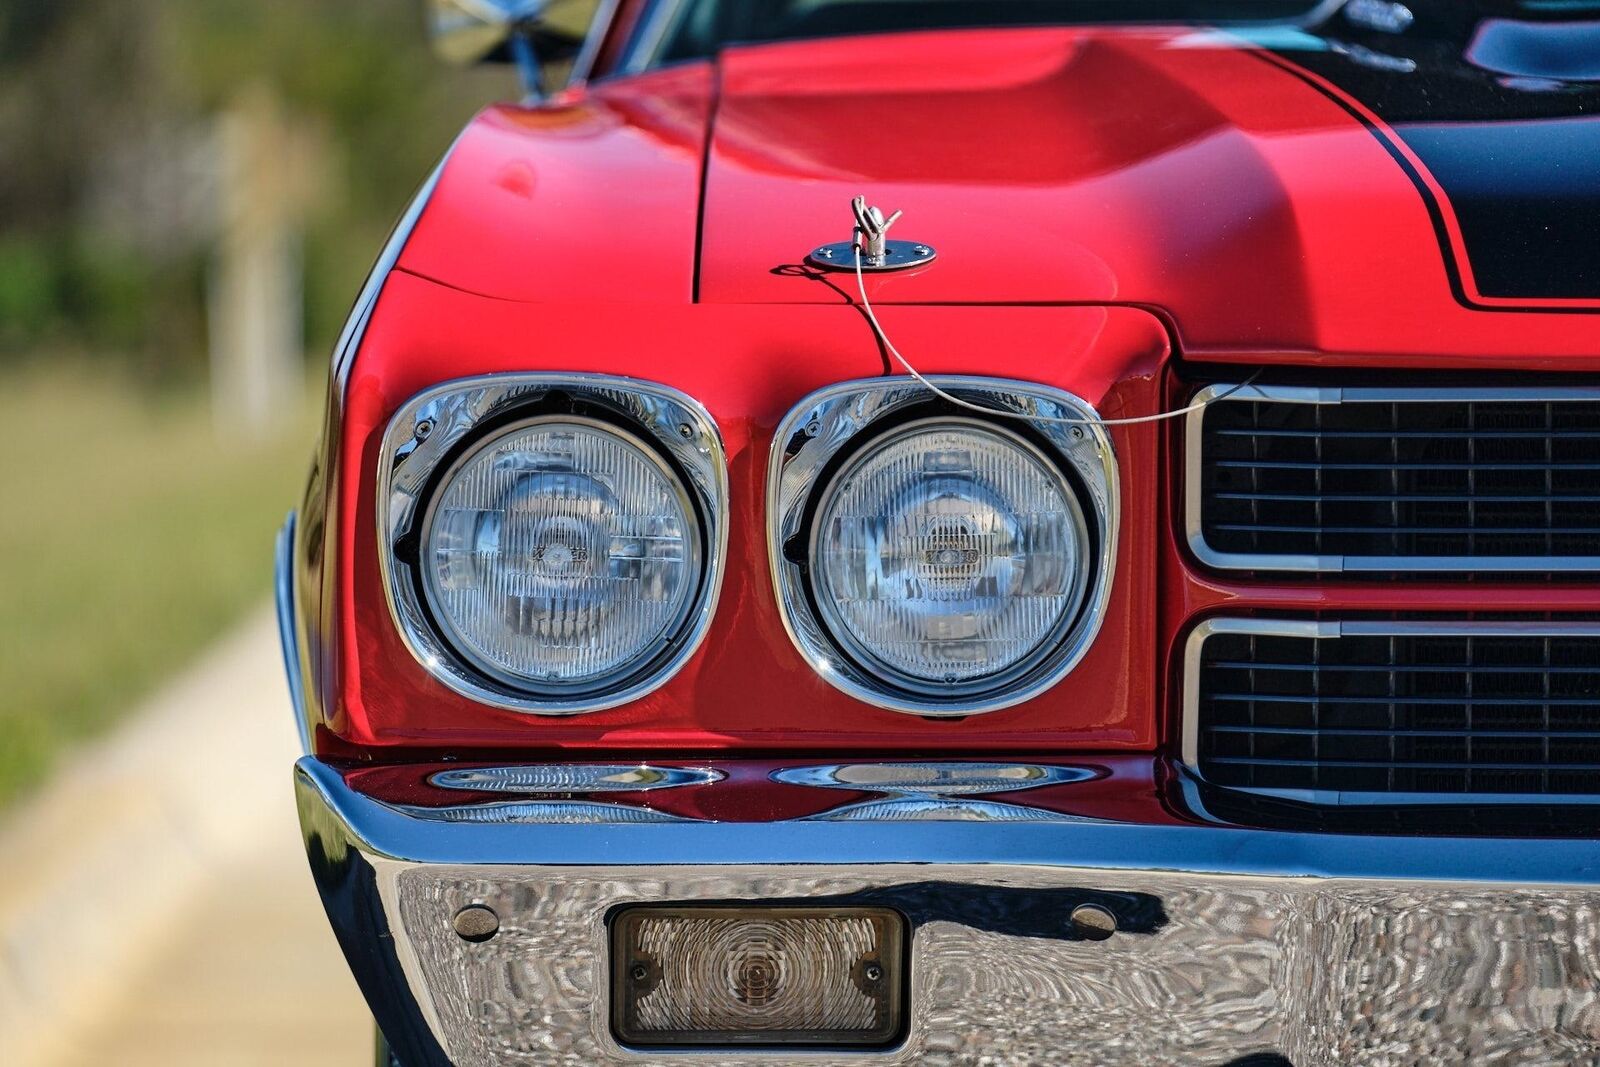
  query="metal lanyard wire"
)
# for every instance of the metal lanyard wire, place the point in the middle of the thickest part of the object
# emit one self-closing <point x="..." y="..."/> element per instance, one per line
<point x="872" y="317"/>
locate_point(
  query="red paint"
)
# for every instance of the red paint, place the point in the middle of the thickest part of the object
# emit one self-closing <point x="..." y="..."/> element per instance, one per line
<point x="1116" y="180"/>
<point x="591" y="200"/>
<point x="1452" y="224"/>
<point x="747" y="688"/>
<point x="1155" y="168"/>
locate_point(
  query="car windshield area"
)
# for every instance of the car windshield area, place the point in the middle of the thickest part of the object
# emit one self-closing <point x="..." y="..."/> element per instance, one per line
<point x="691" y="29"/>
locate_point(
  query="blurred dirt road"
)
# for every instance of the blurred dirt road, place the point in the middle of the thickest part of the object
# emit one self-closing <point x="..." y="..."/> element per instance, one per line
<point x="252" y="977"/>
<point x="155" y="906"/>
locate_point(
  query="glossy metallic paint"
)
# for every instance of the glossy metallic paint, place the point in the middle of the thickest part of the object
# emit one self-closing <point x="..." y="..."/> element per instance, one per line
<point x="1255" y="223"/>
<point x="747" y="688"/>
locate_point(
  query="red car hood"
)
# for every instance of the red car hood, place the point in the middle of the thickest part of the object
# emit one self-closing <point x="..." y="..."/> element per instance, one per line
<point x="1045" y="166"/>
<point x="1178" y="170"/>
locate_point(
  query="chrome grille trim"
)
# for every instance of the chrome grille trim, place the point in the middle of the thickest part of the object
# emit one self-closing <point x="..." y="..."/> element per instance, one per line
<point x="1325" y="630"/>
<point x="1194" y="490"/>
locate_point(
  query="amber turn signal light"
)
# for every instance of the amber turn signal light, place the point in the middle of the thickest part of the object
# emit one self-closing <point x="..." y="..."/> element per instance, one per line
<point x="752" y="977"/>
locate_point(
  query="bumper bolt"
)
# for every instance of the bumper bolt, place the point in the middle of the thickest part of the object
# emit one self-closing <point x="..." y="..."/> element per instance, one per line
<point x="1092" y="922"/>
<point x="476" y="923"/>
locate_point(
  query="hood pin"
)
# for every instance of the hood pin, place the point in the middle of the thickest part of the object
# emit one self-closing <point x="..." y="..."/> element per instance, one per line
<point x="878" y="253"/>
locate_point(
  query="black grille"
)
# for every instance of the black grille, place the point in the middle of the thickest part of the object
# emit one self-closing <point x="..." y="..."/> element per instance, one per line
<point x="1569" y="817"/>
<point x="1407" y="713"/>
<point x="1480" y="480"/>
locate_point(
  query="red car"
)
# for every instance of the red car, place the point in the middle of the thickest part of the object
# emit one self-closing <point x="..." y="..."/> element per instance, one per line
<point x="1019" y="532"/>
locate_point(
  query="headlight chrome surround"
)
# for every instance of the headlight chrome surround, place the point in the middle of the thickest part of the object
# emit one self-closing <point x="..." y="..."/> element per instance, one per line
<point x="812" y="441"/>
<point x="432" y="430"/>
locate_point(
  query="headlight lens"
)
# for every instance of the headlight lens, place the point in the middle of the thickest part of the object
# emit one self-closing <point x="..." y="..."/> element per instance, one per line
<point x="560" y="553"/>
<point x="949" y="556"/>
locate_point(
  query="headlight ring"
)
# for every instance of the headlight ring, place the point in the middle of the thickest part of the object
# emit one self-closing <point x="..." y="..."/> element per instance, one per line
<point x="930" y="562"/>
<point x="552" y="543"/>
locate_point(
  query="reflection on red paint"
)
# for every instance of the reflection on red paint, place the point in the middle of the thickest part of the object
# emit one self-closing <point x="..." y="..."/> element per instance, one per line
<point x="1098" y="197"/>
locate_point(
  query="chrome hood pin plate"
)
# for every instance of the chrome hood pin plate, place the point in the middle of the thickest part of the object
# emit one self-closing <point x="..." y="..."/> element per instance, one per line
<point x="870" y="236"/>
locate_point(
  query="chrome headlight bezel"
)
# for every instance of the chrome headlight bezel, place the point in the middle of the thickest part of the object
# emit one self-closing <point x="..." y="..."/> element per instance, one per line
<point x="430" y="433"/>
<point x="838" y="419"/>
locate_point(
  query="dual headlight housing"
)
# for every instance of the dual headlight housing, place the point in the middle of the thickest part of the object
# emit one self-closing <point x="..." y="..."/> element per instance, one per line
<point x="935" y="561"/>
<point x="555" y="543"/>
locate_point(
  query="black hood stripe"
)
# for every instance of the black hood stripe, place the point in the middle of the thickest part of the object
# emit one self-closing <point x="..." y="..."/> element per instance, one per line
<point x="1520" y="186"/>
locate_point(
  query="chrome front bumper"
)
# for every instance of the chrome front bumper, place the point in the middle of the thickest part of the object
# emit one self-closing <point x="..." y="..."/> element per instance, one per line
<point x="1231" y="943"/>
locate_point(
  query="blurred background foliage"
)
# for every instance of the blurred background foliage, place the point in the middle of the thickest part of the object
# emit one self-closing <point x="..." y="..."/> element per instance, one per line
<point x="146" y="515"/>
<point x="106" y="107"/>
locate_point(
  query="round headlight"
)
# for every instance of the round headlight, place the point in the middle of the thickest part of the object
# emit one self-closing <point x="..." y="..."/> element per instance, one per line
<point x="949" y="556"/>
<point x="560" y="554"/>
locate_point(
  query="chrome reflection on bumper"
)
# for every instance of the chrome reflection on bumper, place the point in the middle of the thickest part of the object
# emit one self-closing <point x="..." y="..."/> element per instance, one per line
<point x="288" y="636"/>
<point x="1321" y="948"/>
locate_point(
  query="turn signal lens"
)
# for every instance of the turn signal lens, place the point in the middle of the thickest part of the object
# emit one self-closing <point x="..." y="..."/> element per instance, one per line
<point x="561" y="554"/>
<point x="949" y="555"/>
<point x="758" y="976"/>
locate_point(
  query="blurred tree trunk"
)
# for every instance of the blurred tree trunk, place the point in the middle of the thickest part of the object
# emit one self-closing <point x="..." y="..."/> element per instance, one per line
<point x="255" y="306"/>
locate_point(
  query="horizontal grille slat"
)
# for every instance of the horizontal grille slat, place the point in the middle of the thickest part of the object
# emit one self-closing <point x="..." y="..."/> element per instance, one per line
<point x="1392" y="668"/>
<point x="1530" y="702"/>
<point x="1265" y="528"/>
<point x="1385" y="498"/>
<point x="1453" y="483"/>
<point x="1288" y="466"/>
<point x="1401" y="434"/>
<point x="1445" y="712"/>
<point x="1345" y="732"/>
<point x="1366" y="764"/>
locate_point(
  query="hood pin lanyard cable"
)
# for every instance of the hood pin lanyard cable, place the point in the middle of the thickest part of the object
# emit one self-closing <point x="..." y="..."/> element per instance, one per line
<point x="870" y="229"/>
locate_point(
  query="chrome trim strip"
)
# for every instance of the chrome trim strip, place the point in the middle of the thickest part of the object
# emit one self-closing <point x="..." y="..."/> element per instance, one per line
<point x="1194" y="803"/>
<point x="1324" y="10"/>
<point x="540" y="812"/>
<point x="832" y="419"/>
<point x="355" y="326"/>
<point x="1349" y="799"/>
<point x="910" y="807"/>
<point x="572" y="778"/>
<point x="386" y="832"/>
<point x="643" y="51"/>
<point x="593" y="40"/>
<point x="1189" y="741"/>
<point x="996" y="954"/>
<point x="1193" y="499"/>
<point x="452" y="411"/>
<point x="288" y="641"/>
<point x="937" y="778"/>
<point x="326" y="478"/>
<point x="1190" y="733"/>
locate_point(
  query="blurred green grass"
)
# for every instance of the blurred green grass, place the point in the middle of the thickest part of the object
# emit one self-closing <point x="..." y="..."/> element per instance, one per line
<point x="132" y="536"/>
